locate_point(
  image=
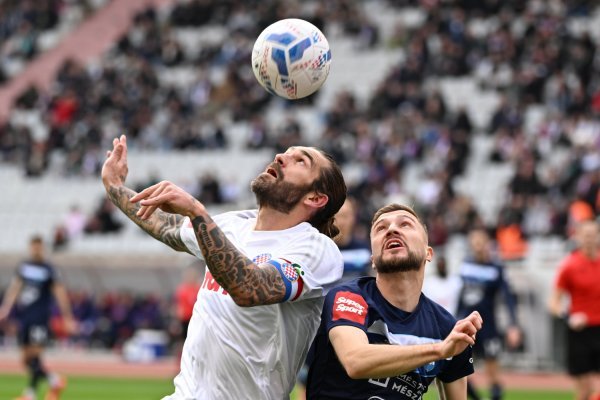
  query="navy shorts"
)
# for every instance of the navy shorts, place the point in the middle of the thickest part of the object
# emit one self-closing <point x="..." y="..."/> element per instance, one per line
<point x="583" y="351"/>
<point x="33" y="334"/>
<point x="488" y="348"/>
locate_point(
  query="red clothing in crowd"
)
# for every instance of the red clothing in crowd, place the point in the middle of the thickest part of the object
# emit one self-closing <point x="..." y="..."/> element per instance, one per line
<point x="579" y="276"/>
<point x="186" y="297"/>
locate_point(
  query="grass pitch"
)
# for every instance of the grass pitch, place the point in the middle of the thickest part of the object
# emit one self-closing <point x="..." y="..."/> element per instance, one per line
<point x="92" y="388"/>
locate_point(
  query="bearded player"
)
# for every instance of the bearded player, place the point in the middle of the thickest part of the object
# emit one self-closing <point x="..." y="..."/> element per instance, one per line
<point x="267" y="270"/>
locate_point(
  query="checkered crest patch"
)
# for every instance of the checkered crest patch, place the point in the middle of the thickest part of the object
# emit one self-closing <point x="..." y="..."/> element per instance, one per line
<point x="290" y="272"/>
<point x="261" y="258"/>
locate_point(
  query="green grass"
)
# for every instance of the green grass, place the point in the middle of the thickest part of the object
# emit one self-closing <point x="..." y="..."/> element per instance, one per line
<point x="517" y="395"/>
<point x="86" y="388"/>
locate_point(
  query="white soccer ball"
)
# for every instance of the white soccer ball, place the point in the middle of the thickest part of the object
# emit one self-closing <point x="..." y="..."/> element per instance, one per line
<point x="291" y="58"/>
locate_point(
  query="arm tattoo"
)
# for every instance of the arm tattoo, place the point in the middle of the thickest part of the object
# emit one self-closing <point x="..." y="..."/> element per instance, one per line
<point x="247" y="283"/>
<point x="161" y="225"/>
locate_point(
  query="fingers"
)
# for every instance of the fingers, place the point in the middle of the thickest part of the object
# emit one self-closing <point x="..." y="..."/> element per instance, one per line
<point x="151" y="198"/>
<point x="123" y="141"/>
<point x="149" y="191"/>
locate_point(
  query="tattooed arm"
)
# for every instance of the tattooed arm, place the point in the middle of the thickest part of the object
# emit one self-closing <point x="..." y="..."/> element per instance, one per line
<point x="162" y="225"/>
<point x="247" y="283"/>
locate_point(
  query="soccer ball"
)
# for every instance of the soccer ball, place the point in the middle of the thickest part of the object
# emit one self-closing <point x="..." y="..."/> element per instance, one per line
<point x="291" y="58"/>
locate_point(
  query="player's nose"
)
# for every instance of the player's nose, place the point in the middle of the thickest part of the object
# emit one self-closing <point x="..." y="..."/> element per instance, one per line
<point x="281" y="159"/>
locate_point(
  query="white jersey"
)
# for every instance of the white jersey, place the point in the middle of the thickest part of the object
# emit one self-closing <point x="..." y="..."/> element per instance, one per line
<point x="234" y="352"/>
<point x="444" y="291"/>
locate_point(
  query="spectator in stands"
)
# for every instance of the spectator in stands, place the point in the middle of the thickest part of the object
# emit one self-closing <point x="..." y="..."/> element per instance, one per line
<point x="31" y="291"/>
<point x="443" y="287"/>
<point x="236" y="346"/>
<point x="578" y="279"/>
<point x="185" y="298"/>
<point x="483" y="279"/>
<point x="356" y="253"/>
<point x="103" y="220"/>
<point x="379" y="336"/>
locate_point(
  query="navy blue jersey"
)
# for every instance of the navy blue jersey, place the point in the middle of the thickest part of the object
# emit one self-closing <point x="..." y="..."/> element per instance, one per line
<point x="359" y="303"/>
<point x="35" y="299"/>
<point x="357" y="259"/>
<point x="482" y="282"/>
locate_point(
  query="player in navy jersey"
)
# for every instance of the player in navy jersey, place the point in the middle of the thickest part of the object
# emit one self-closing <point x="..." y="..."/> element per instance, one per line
<point x="380" y="337"/>
<point x="31" y="290"/>
<point x="483" y="280"/>
<point x="356" y="253"/>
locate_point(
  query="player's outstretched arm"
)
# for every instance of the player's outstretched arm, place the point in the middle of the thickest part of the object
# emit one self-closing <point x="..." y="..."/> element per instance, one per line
<point x="363" y="360"/>
<point x="161" y="226"/>
<point x="248" y="284"/>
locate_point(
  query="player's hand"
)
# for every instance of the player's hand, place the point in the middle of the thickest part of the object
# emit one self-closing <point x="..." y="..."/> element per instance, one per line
<point x="71" y="326"/>
<point x="577" y="321"/>
<point x="169" y="198"/>
<point x="462" y="335"/>
<point x="513" y="337"/>
<point x="114" y="170"/>
<point x="3" y="314"/>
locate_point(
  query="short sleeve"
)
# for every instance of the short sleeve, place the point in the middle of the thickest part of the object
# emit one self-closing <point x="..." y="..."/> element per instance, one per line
<point x="345" y="307"/>
<point x="188" y="236"/>
<point x="458" y="367"/>
<point x="562" y="276"/>
<point x="318" y="261"/>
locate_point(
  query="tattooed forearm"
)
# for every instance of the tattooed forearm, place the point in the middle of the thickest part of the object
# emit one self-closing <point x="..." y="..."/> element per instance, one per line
<point x="247" y="283"/>
<point x="161" y="225"/>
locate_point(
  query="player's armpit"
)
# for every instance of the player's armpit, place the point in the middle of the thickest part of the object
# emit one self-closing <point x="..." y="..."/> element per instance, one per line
<point x="161" y="225"/>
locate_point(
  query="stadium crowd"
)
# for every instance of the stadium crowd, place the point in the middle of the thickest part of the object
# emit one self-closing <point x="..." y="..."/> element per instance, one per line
<point x="529" y="52"/>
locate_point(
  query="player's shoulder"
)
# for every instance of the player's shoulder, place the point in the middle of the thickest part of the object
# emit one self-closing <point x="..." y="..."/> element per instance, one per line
<point x="236" y="215"/>
<point x="360" y="286"/>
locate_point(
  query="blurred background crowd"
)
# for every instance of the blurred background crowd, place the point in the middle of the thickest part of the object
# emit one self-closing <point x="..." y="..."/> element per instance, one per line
<point x="477" y="113"/>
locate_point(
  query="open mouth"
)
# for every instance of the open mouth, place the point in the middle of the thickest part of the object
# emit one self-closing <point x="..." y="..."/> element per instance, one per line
<point x="272" y="172"/>
<point x="393" y="244"/>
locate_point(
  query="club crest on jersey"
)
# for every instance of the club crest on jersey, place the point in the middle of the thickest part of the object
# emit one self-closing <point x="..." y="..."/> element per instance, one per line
<point x="290" y="272"/>
<point x="261" y="258"/>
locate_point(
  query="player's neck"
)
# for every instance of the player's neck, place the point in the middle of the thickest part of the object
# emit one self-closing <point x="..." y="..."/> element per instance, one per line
<point x="273" y="220"/>
<point x="401" y="289"/>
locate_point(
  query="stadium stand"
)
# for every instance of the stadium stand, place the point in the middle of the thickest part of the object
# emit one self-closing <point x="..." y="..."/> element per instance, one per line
<point x="478" y="113"/>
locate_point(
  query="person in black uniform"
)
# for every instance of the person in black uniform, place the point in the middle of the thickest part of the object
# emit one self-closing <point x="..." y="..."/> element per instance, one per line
<point x="356" y="253"/>
<point x="483" y="280"/>
<point x="31" y="291"/>
<point x="380" y="337"/>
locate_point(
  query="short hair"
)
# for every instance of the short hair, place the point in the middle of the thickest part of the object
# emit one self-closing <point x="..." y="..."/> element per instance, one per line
<point x="398" y="207"/>
<point x="36" y="239"/>
<point x="331" y="183"/>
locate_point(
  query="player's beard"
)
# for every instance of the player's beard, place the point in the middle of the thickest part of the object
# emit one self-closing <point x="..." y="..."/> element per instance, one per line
<point x="277" y="194"/>
<point x="411" y="262"/>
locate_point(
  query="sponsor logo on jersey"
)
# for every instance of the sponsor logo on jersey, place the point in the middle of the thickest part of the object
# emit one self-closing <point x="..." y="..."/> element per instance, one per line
<point x="209" y="283"/>
<point x="350" y="306"/>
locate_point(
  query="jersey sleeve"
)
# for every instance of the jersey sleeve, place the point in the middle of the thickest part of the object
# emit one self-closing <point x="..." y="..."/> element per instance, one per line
<point x="562" y="277"/>
<point x="316" y="264"/>
<point x="188" y="236"/>
<point x="458" y="367"/>
<point x="345" y="306"/>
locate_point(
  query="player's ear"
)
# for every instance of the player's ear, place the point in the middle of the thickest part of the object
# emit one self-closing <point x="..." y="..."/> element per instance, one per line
<point x="429" y="254"/>
<point x="316" y="200"/>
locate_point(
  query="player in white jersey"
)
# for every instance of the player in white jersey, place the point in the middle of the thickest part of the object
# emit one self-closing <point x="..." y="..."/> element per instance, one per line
<point x="267" y="271"/>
